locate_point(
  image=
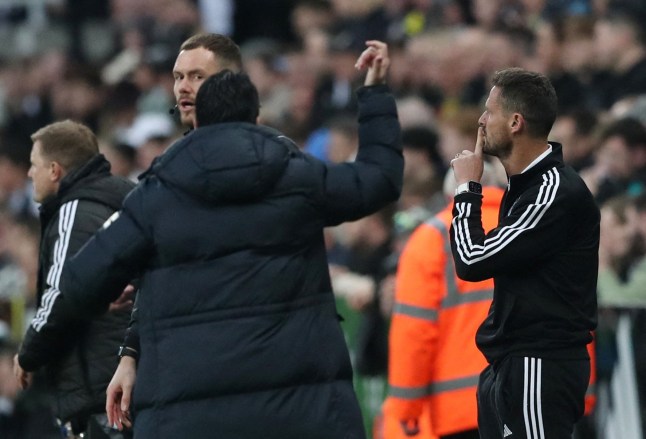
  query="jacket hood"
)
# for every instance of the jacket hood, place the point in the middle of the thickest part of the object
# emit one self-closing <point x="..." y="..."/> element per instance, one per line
<point x="234" y="162"/>
<point x="92" y="181"/>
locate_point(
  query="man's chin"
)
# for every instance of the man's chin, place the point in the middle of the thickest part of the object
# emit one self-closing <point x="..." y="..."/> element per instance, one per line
<point x="187" y="119"/>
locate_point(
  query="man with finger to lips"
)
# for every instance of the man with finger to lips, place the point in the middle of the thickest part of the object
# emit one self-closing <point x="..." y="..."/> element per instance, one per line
<point x="543" y="256"/>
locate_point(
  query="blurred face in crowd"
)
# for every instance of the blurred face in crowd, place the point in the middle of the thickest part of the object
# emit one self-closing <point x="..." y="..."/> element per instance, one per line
<point x="614" y="158"/>
<point x="617" y="234"/>
<point x="494" y="120"/>
<point x="547" y="48"/>
<point x="12" y="177"/>
<point x="43" y="174"/>
<point x="611" y="40"/>
<point x="192" y="67"/>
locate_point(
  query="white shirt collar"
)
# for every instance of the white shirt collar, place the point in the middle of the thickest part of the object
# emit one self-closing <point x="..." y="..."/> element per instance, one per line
<point x="538" y="159"/>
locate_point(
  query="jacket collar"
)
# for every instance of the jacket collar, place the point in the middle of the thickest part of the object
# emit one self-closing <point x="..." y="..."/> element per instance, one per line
<point x="553" y="159"/>
<point x="96" y="167"/>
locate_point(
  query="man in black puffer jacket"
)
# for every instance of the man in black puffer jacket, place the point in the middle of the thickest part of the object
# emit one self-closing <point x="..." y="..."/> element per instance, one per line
<point x="74" y="357"/>
<point x="238" y="329"/>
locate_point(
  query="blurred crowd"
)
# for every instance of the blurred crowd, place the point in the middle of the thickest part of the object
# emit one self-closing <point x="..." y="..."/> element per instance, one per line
<point x="109" y="65"/>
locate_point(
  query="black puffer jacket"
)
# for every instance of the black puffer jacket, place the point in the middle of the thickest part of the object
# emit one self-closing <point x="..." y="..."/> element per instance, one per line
<point x="239" y="332"/>
<point x="79" y="356"/>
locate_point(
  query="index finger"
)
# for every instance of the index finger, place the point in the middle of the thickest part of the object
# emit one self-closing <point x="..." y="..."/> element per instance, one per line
<point x="374" y="49"/>
<point x="110" y="408"/>
<point x="479" y="142"/>
<point x="380" y="45"/>
<point x="366" y="57"/>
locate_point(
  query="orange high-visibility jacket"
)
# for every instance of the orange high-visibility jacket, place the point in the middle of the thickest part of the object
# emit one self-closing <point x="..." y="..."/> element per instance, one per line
<point x="434" y="363"/>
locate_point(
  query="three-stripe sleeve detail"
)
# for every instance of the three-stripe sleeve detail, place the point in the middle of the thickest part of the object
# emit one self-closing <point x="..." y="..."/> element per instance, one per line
<point x="471" y="253"/>
<point x="65" y="225"/>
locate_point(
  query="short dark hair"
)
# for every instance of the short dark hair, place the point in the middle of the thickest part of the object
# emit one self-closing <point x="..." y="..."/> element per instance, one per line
<point x="631" y="130"/>
<point x="69" y="143"/>
<point x="226" y="97"/>
<point x="530" y="94"/>
<point x="426" y="140"/>
<point x="223" y="47"/>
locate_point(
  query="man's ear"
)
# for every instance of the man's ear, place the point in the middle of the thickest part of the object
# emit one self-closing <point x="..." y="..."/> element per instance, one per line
<point x="516" y="123"/>
<point x="56" y="172"/>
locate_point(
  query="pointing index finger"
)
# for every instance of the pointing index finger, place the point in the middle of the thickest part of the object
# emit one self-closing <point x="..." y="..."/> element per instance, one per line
<point x="479" y="142"/>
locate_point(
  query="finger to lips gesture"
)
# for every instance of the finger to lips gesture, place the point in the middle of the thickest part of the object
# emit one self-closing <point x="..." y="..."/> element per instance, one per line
<point x="468" y="165"/>
<point x="376" y="59"/>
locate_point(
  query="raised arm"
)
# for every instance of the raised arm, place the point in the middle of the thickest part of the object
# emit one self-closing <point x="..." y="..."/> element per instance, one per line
<point x="374" y="179"/>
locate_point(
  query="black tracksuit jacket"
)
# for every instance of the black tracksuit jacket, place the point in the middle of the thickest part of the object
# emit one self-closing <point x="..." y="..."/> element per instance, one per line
<point x="543" y="256"/>
<point x="77" y="357"/>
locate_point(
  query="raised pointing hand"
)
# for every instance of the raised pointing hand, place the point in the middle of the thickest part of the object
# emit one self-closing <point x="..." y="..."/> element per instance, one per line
<point x="376" y="59"/>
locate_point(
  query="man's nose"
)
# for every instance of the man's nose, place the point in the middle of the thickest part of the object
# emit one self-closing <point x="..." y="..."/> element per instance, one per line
<point x="184" y="85"/>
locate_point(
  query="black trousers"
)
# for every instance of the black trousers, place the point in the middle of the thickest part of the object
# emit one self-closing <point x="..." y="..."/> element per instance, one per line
<point x="531" y="398"/>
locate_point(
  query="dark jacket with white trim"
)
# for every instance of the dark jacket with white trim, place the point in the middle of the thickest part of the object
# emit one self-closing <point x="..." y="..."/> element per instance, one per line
<point x="238" y="328"/>
<point x="75" y="358"/>
<point x="543" y="256"/>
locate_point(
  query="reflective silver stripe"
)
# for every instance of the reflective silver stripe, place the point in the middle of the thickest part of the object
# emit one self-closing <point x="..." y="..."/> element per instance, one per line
<point x="416" y="311"/>
<point x="453" y="295"/>
<point x="468" y="297"/>
<point x="433" y="388"/>
<point x="408" y="392"/>
<point x="449" y="270"/>
<point x="456" y="384"/>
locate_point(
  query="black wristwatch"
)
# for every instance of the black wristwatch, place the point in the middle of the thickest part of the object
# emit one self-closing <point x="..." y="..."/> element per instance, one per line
<point x="125" y="351"/>
<point x="470" y="186"/>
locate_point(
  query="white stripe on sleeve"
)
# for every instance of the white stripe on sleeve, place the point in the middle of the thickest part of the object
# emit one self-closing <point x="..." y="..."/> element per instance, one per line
<point x="471" y="253"/>
<point x="67" y="213"/>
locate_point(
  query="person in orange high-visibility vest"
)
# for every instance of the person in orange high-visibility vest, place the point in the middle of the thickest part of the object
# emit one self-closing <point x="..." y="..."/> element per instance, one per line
<point x="434" y="363"/>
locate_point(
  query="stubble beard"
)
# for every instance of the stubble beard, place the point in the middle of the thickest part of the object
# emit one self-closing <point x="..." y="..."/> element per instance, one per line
<point x="188" y="119"/>
<point x="500" y="149"/>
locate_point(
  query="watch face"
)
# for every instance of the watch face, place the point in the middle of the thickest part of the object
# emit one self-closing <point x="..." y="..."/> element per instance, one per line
<point x="475" y="187"/>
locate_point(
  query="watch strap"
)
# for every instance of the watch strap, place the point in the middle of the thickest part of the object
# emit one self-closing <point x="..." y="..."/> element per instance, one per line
<point x="125" y="351"/>
<point x="470" y="186"/>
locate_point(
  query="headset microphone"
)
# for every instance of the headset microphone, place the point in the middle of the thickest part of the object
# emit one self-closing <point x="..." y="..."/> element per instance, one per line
<point x="173" y="109"/>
